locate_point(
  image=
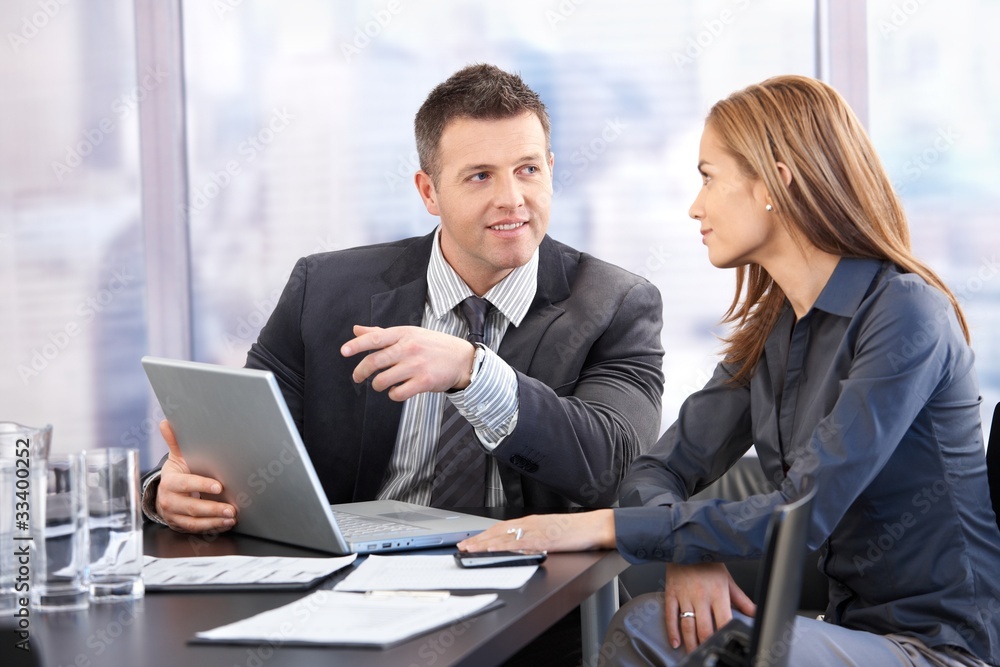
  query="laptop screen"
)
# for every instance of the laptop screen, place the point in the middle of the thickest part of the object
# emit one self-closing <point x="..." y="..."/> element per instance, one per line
<point x="780" y="579"/>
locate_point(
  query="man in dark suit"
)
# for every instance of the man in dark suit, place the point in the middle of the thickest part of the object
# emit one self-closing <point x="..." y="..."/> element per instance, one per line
<point x="385" y="354"/>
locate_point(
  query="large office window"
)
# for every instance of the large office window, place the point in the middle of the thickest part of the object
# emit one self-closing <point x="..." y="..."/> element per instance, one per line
<point x="299" y="127"/>
<point x="72" y="325"/>
<point x="301" y="137"/>
<point x="935" y="101"/>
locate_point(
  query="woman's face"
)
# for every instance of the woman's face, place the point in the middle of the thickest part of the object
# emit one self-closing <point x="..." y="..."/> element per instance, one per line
<point x="735" y="225"/>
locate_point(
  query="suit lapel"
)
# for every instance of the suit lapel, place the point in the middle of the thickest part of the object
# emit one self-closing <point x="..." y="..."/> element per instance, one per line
<point x="520" y="343"/>
<point x="401" y="304"/>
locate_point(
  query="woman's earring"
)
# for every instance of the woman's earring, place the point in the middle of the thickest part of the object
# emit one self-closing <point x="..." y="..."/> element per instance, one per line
<point x="768" y="208"/>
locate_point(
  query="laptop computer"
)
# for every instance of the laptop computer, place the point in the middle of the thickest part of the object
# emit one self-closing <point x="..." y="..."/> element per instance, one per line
<point x="768" y="642"/>
<point x="232" y="424"/>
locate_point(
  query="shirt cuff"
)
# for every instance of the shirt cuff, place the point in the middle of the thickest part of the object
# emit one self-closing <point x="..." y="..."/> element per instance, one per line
<point x="644" y="534"/>
<point x="490" y="402"/>
<point x="149" y="488"/>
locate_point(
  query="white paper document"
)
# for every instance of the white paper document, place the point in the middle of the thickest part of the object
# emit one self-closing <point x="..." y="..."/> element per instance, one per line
<point x="431" y="573"/>
<point x="235" y="571"/>
<point x="351" y="619"/>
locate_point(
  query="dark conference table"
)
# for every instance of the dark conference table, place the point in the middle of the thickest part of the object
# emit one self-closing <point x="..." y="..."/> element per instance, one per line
<point x="155" y="631"/>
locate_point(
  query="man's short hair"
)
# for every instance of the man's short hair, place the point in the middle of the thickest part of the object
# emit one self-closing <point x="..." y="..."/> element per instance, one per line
<point x="480" y="92"/>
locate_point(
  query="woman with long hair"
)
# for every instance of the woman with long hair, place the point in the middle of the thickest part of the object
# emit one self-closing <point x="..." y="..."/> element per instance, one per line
<point x="848" y="364"/>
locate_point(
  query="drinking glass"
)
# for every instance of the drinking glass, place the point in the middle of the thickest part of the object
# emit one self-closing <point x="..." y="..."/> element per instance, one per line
<point x="115" y="522"/>
<point x="60" y="552"/>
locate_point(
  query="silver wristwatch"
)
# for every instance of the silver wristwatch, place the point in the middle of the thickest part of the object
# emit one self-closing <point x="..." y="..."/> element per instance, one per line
<point x="477" y="361"/>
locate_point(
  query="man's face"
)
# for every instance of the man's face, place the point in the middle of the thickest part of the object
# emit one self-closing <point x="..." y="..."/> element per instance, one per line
<point x="493" y="193"/>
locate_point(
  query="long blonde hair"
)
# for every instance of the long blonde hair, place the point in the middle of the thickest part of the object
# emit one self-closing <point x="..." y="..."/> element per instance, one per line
<point x="840" y="199"/>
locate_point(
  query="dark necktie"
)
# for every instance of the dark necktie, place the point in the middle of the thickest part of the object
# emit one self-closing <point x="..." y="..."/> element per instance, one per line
<point x="460" y="462"/>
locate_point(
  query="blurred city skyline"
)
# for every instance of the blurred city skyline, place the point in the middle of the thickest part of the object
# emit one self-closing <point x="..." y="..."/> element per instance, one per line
<point x="300" y="140"/>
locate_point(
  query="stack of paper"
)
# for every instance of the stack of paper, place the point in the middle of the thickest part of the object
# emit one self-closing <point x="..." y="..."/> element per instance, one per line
<point x="350" y="619"/>
<point x="395" y="607"/>
<point x="429" y="573"/>
<point x="231" y="572"/>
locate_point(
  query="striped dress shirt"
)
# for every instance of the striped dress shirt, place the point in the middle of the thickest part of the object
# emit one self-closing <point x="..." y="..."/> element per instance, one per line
<point x="490" y="402"/>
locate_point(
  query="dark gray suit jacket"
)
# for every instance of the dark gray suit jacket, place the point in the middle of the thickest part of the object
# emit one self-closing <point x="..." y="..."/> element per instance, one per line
<point x="588" y="359"/>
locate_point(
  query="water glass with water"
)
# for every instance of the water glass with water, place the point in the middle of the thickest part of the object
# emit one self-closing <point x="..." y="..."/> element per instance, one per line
<point x="23" y="452"/>
<point x="115" y="523"/>
<point x="60" y="563"/>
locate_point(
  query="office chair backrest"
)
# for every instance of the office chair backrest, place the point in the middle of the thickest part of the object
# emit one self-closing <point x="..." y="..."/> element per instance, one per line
<point x="993" y="462"/>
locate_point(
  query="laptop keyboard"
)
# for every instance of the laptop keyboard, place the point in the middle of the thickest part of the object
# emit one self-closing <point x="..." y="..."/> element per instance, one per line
<point x="353" y="526"/>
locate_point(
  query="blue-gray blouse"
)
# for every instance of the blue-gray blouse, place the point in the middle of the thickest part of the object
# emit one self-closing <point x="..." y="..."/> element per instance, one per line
<point x="872" y="393"/>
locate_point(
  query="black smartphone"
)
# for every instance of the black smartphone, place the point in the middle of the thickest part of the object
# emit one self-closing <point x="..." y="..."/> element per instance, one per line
<point x="499" y="558"/>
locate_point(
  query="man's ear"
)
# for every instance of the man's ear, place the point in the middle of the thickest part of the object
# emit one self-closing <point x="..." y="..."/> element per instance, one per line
<point x="425" y="186"/>
<point x="552" y="165"/>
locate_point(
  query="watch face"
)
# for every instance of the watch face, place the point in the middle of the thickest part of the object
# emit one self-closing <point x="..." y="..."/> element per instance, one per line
<point x="477" y="361"/>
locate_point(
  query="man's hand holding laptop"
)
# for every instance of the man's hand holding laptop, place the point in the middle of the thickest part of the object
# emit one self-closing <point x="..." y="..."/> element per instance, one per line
<point x="411" y="360"/>
<point x="178" y="498"/>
